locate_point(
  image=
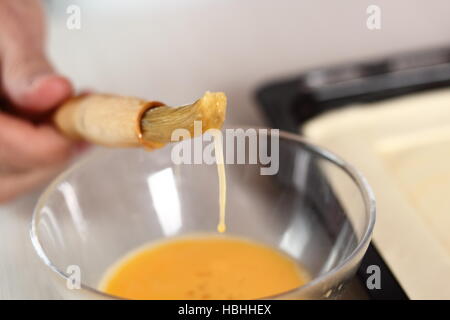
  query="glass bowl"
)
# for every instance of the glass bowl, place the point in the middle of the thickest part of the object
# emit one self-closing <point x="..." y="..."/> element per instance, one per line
<point x="316" y="208"/>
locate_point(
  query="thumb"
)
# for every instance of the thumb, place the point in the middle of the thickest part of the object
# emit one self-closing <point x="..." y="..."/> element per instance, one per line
<point x="31" y="83"/>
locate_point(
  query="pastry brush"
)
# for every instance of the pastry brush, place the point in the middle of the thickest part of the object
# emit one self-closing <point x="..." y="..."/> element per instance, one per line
<point x="118" y="121"/>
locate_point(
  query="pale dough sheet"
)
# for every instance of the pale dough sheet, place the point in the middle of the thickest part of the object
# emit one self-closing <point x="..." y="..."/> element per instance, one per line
<point x="402" y="146"/>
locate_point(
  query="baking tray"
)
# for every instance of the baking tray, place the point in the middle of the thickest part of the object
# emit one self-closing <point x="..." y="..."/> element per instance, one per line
<point x="288" y="103"/>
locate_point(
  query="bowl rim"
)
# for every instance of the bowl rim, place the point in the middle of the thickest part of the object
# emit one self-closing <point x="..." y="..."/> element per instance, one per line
<point x="364" y="188"/>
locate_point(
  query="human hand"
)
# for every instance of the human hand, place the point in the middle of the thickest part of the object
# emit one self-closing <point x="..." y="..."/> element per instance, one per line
<point x="31" y="150"/>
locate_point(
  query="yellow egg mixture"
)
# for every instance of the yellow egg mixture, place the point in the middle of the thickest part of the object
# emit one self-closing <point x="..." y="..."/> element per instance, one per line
<point x="204" y="267"/>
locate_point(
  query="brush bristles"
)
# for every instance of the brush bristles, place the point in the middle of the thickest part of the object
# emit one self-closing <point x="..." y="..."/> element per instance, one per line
<point x="159" y="123"/>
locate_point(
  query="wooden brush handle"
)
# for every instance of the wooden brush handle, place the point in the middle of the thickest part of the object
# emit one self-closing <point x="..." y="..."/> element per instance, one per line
<point x="109" y="120"/>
